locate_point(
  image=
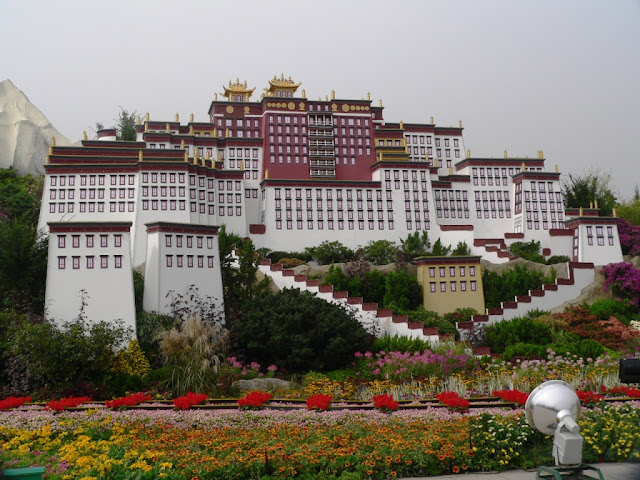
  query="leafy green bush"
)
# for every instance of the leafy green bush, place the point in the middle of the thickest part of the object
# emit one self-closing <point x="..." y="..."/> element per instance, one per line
<point x="430" y="319"/>
<point x="374" y="284"/>
<point x="527" y="250"/>
<point x="399" y="344"/>
<point x="518" y="330"/>
<point x="330" y="252"/>
<point x="460" y="315"/>
<point x="287" y="262"/>
<point x="557" y="259"/>
<point x="461" y="249"/>
<point x="380" y="252"/>
<point x="610" y="307"/>
<point x="525" y="350"/>
<point x="298" y="331"/>
<point x="148" y="325"/>
<point x="585" y="348"/>
<point x="402" y="290"/>
<point x="505" y="286"/>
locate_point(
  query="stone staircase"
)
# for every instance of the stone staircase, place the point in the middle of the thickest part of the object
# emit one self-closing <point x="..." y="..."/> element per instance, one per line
<point x="492" y="249"/>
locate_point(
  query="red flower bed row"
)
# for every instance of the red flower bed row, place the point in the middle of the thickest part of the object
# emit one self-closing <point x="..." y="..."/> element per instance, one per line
<point x="588" y="398"/>
<point x="453" y="401"/>
<point x="190" y="399"/>
<point x="385" y="403"/>
<point x="13" y="402"/>
<point x="512" y="396"/>
<point x="319" y="402"/>
<point x="67" y="402"/>
<point x="129" y="401"/>
<point x="254" y="400"/>
<point x="622" y="390"/>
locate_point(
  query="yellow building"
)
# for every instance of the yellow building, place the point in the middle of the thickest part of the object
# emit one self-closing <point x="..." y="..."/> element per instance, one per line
<point x="451" y="282"/>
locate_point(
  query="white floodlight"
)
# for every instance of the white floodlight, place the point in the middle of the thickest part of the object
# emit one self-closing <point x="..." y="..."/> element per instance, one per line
<point x="553" y="409"/>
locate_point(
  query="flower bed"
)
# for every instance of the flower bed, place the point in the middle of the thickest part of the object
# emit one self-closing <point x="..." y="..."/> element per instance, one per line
<point x="250" y="444"/>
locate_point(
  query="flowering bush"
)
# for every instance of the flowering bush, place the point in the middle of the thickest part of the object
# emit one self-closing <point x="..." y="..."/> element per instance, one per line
<point x="128" y="401"/>
<point x="629" y="237"/>
<point x="254" y="400"/>
<point x="515" y="396"/>
<point x="623" y="280"/>
<point x="67" y="402"/>
<point x="385" y="403"/>
<point x="319" y="402"/>
<point x="454" y="401"/>
<point x="622" y="390"/>
<point x="131" y="361"/>
<point x="190" y="399"/>
<point x="13" y="402"/>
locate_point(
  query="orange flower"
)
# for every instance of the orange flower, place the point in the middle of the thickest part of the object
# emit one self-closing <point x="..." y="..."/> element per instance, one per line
<point x="393" y="474"/>
<point x="456" y="469"/>
<point x="440" y="457"/>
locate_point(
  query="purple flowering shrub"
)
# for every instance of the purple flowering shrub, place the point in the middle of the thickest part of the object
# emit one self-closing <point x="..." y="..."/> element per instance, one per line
<point x="623" y="280"/>
<point x="629" y="237"/>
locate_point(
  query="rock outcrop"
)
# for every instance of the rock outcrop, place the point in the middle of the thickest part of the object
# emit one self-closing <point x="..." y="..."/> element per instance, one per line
<point x="25" y="133"/>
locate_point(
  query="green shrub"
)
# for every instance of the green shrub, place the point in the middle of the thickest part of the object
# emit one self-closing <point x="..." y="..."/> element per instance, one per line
<point x="380" y="252"/>
<point x="287" y="262"/>
<point x="518" y="330"/>
<point x="431" y="319"/>
<point x="330" y="252"/>
<point x="525" y="350"/>
<point x="416" y="245"/>
<point x="461" y="249"/>
<point x="148" y="324"/>
<point x="374" y="284"/>
<point x="440" y="250"/>
<point x="527" y="250"/>
<point x="402" y="290"/>
<point x="277" y="256"/>
<point x="610" y="307"/>
<point x="298" y="331"/>
<point x="399" y="344"/>
<point x="337" y="278"/>
<point x="460" y="315"/>
<point x="585" y="348"/>
<point x="557" y="259"/>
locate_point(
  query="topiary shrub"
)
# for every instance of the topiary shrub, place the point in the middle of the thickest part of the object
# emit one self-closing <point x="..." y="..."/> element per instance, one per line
<point x="527" y="250"/>
<point x="298" y="331"/>
<point x="554" y="259"/>
<point x="518" y="330"/>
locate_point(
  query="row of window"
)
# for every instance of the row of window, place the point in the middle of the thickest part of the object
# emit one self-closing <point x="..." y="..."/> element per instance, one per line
<point x="92" y="207"/>
<point x="62" y="194"/>
<point x="89" y="241"/>
<point x="320" y="215"/>
<point x="169" y="241"/>
<point x="421" y="139"/>
<point x="180" y="261"/>
<point x="351" y="224"/>
<point x="63" y="180"/>
<point x="453" y="286"/>
<point x="599" y="235"/>
<point x="90" y="262"/>
<point x="442" y="271"/>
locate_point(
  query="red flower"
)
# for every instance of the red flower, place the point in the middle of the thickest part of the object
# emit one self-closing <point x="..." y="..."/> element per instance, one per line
<point x="512" y="396"/>
<point x="319" y="402"/>
<point x="453" y="401"/>
<point x="385" y="403"/>
<point x="13" y="402"/>
<point x="67" y="402"/>
<point x="254" y="400"/>
<point x="190" y="399"/>
<point x="129" y="401"/>
<point x="588" y="398"/>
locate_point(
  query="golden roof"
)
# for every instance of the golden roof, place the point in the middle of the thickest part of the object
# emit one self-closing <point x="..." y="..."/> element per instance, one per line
<point x="237" y="88"/>
<point x="282" y="84"/>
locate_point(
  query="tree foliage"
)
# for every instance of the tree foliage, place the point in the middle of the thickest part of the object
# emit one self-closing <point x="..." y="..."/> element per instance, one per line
<point x="503" y="287"/>
<point x="330" y="252"/>
<point x="593" y="186"/>
<point x="298" y="331"/>
<point x="416" y="245"/>
<point x="380" y="252"/>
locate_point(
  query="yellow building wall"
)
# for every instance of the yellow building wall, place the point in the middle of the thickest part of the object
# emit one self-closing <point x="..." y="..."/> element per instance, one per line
<point x="447" y="301"/>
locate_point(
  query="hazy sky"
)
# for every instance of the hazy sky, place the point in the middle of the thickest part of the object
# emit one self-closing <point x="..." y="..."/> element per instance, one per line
<point x="561" y="76"/>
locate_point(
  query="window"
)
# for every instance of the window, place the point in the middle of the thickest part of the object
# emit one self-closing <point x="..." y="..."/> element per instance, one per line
<point x="90" y="262"/>
<point x="167" y="239"/>
<point x="103" y="241"/>
<point x="462" y="271"/>
<point x="118" y="261"/>
<point x="442" y="271"/>
<point x="62" y="262"/>
<point x="452" y="271"/>
<point x="104" y="261"/>
<point x="61" y="241"/>
<point x="472" y="272"/>
<point x="452" y="285"/>
<point x="432" y="286"/>
<point x="76" y="263"/>
<point x="443" y="286"/>
<point x="432" y="271"/>
<point x="117" y="240"/>
<point x="473" y="285"/>
<point x="169" y="260"/>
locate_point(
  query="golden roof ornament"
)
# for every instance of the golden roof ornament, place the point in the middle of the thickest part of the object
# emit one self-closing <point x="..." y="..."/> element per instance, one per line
<point x="581" y="212"/>
<point x="406" y="149"/>
<point x="237" y="91"/>
<point x="177" y="117"/>
<point x="435" y="162"/>
<point x="146" y="127"/>
<point x="168" y="127"/>
<point x="333" y="94"/>
<point x="595" y="202"/>
<point x="369" y="96"/>
<point x="401" y="125"/>
<point x="214" y="133"/>
<point x="204" y="162"/>
<point x="432" y="123"/>
<point x="266" y="174"/>
<point x="215" y="97"/>
<point x="219" y="156"/>
<point x="140" y="156"/>
<point x="206" y="154"/>
<point x="186" y="155"/>
<point x="146" y="117"/>
<point x="182" y="143"/>
<point x="380" y="103"/>
<point x="304" y="93"/>
<point x="468" y="153"/>
<point x="195" y="155"/>
<point x="240" y="164"/>
<point x="614" y="213"/>
<point x="460" y="123"/>
<point x="505" y="153"/>
<point x="283" y="85"/>
<point x="450" y="170"/>
<point x="191" y="118"/>
<point x="190" y="129"/>
<point x="326" y="98"/>
<point x="53" y="141"/>
<point x="138" y="120"/>
<point x="84" y="135"/>
<point x="522" y="167"/>
<point x="227" y="133"/>
<point x="557" y="168"/>
<point x="591" y="204"/>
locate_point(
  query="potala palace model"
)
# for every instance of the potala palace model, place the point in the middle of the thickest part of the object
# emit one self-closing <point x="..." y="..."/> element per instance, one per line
<point x="288" y="172"/>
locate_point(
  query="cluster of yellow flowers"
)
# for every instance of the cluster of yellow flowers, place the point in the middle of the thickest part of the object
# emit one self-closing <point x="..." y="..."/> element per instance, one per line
<point x="326" y="386"/>
<point x="131" y="361"/>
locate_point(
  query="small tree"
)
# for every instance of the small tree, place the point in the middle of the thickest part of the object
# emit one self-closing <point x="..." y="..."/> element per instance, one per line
<point x="593" y="186"/>
<point x="330" y="252"/>
<point x="381" y="252"/>
<point x="416" y="245"/>
<point x="126" y="126"/>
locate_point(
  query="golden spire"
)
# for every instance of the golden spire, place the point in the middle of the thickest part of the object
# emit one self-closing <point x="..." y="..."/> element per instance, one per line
<point x="240" y="164"/>
<point x="369" y="96"/>
<point x="460" y="123"/>
<point x="435" y="162"/>
<point x="140" y="156"/>
<point x="206" y="154"/>
<point x="468" y="153"/>
<point x="182" y="143"/>
<point x="557" y="168"/>
<point x="219" y="156"/>
<point x="326" y="98"/>
<point x="195" y="155"/>
<point x="213" y="164"/>
<point x="138" y="120"/>
<point x="53" y="141"/>
<point x="432" y="120"/>
<point x="146" y="117"/>
<point x="168" y="127"/>
<point x="591" y="204"/>
<point x="522" y="168"/>
<point x="84" y="135"/>
<point x="177" y="117"/>
<point x="450" y="170"/>
<point x="406" y="149"/>
<point x="266" y="174"/>
<point x="186" y="155"/>
<point x="214" y="132"/>
<point x="595" y="202"/>
<point x="146" y="127"/>
<point x="401" y="125"/>
<point x="190" y="129"/>
<point x="581" y="212"/>
<point x="304" y="93"/>
<point x="204" y="162"/>
<point x="505" y="153"/>
<point x="215" y="97"/>
<point x="333" y="94"/>
<point x="226" y="133"/>
<point x="191" y="118"/>
<point x="615" y="213"/>
<point x="380" y="103"/>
